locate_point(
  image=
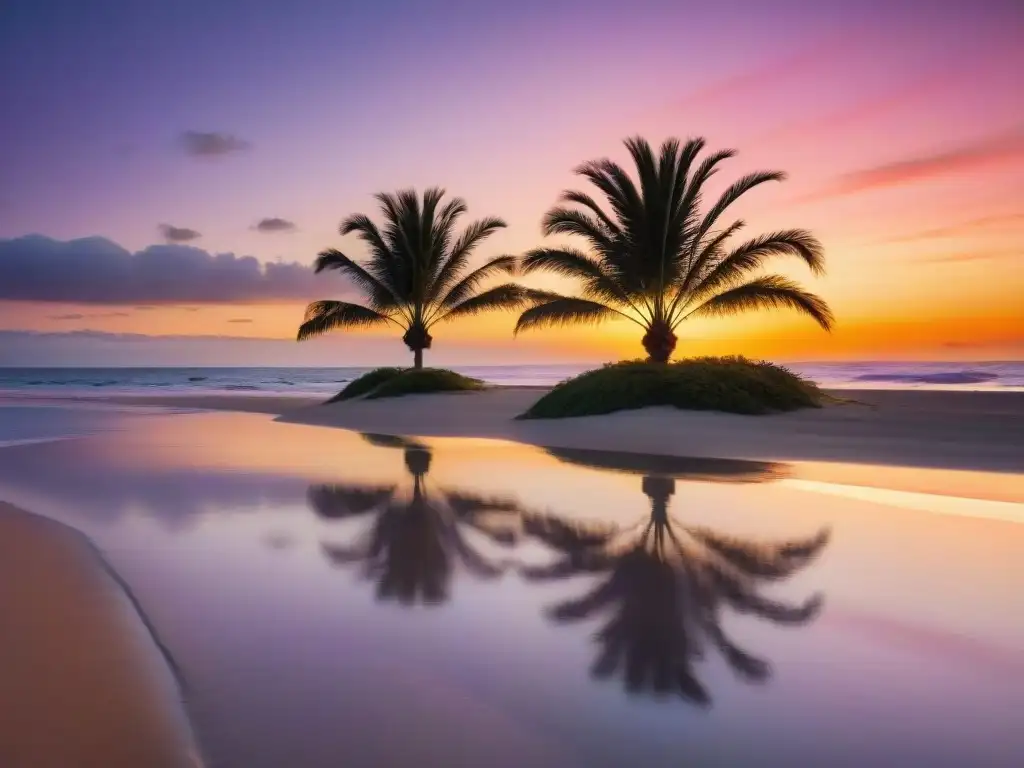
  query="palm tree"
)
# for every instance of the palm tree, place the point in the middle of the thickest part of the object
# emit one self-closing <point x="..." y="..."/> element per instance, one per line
<point x="417" y="534"/>
<point x="663" y="590"/>
<point x="416" y="273"/>
<point x="656" y="258"/>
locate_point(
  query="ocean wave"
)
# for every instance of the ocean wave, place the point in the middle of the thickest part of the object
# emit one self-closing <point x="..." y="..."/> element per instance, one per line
<point x="938" y="377"/>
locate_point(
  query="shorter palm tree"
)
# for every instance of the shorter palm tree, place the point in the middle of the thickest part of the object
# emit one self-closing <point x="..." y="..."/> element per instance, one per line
<point x="416" y="274"/>
<point x="655" y="258"/>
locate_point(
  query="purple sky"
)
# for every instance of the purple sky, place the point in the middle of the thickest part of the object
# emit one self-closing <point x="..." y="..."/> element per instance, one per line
<point x="192" y="122"/>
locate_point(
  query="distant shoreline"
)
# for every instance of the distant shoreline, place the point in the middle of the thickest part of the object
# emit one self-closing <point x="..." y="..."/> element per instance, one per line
<point x="323" y="382"/>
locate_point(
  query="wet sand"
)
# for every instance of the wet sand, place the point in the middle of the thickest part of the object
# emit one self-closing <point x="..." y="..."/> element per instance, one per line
<point x="84" y="684"/>
<point x="982" y="431"/>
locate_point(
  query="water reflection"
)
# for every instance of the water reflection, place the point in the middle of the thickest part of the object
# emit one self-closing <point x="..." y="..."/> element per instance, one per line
<point x="691" y="468"/>
<point x="418" y="531"/>
<point x="664" y="586"/>
<point x="664" y="589"/>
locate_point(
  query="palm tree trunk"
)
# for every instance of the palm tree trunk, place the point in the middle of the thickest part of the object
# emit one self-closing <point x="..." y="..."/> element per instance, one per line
<point x="660" y="342"/>
<point x="417" y="339"/>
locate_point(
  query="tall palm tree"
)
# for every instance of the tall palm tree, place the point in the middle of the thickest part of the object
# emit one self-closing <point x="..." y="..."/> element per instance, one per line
<point x="656" y="258"/>
<point x="416" y="273"/>
<point x="663" y="591"/>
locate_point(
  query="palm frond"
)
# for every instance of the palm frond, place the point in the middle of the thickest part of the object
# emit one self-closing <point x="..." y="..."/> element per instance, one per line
<point x="598" y="283"/>
<point x="458" y="256"/>
<point x="432" y="242"/>
<point x="582" y="198"/>
<point x="567" y="262"/>
<point x="367" y="232"/>
<point x="707" y="253"/>
<point x="401" y="211"/>
<point x="752" y="255"/>
<point x="563" y="310"/>
<point x="695" y="186"/>
<point x="465" y="287"/>
<point x="767" y="292"/>
<point x="647" y="167"/>
<point x="506" y="296"/>
<point x="380" y="294"/>
<point x="451" y="212"/>
<point x="324" y="316"/>
<point x="616" y="185"/>
<point x="695" y="265"/>
<point x="571" y="221"/>
<point x="733" y="193"/>
<point x="334" y="502"/>
<point x="444" y="232"/>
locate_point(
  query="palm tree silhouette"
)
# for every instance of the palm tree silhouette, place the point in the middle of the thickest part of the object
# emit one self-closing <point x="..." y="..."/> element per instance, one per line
<point x="655" y="258"/>
<point x="664" y="591"/>
<point x="416" y="274"/>
<point x="417" y="533"/>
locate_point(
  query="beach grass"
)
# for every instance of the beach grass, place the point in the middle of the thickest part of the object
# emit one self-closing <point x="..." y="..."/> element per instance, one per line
<point x="728" y="384"/>
<point x="395" y="382"/>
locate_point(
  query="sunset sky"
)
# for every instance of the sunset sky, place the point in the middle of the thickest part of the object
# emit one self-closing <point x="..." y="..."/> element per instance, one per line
<point x="252" y="128"/>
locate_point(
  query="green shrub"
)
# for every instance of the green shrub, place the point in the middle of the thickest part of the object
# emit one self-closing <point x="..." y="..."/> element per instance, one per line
<point x="730" y="384"/>
<point x="368" y="382"/>
<point x="420" y="381"/>
<point x="394" y="382"/>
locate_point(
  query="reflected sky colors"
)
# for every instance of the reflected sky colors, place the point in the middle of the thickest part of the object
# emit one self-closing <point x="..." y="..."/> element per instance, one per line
<point x="494" y="604"/>
<point x="252" y="128"/>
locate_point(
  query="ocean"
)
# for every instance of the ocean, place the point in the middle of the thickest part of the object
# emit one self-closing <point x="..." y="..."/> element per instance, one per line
<point x="327" y="381"/>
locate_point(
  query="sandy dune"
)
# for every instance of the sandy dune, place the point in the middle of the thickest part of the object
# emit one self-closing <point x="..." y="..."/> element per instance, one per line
<point x="965" y="430"/>
<point x="922" y="428"/>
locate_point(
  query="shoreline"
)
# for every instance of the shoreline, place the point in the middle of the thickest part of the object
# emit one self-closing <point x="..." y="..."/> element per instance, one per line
<point x="53" y="587"/>
<point x="939" y="429"/>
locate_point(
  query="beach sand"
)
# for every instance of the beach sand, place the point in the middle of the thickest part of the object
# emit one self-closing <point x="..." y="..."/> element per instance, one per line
<point x="83" y="682"/>
<point x="981" y="431"/>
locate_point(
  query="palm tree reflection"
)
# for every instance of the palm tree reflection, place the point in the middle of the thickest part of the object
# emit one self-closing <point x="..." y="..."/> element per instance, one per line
<point x="664" y="591"/>
<point x="417" y="533"/>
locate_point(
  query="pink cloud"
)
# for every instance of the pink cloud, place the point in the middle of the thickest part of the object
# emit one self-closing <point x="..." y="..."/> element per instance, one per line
<point x="976" y="256"/>
<point x="1004" y="148"/>
<point x="862" y="112"/>
<point x="969" y="227"/>
<point x="770" y="74"/>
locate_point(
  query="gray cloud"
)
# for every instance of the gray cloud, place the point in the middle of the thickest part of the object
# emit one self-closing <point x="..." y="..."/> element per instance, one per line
<point x="95" y="270"/>
<point x="240" y="320"/>
<point x="173" y="234"/>
<point x="210" y="144"/>
<point x="275" y="224"/>
<point x="66" y="317"/>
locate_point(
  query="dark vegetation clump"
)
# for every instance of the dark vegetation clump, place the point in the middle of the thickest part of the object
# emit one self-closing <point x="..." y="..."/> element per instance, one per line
<point x="369" y="381"/>
<point x="394" y="382"/>
<point x="729" y="384"/>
